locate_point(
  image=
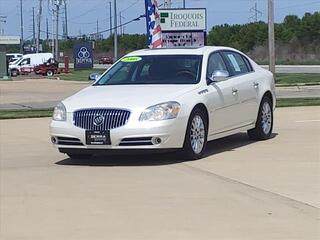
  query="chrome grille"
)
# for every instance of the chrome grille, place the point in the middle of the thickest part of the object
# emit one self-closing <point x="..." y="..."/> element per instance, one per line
<point x="112" y="118"/>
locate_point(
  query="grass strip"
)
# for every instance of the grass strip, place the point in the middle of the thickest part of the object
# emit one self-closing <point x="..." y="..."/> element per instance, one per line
<point x="298" y="102"/>
<point x="25" y="113"/>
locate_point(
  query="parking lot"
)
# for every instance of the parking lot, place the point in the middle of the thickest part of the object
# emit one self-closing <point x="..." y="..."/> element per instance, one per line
<point x="240" y="190"/>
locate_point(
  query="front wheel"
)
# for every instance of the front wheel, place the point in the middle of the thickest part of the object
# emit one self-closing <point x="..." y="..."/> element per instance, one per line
<point x="264" y="123"/>
<point x="50" y="73"/>
<point x="196" y="135"/>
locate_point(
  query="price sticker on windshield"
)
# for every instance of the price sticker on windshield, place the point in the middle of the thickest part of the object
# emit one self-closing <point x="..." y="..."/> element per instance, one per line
<point x="131" y="59"/>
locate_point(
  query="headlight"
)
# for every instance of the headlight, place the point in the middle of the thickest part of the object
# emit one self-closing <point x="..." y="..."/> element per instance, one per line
<point x="162" y="111"/>
<point x="59" y="113"/>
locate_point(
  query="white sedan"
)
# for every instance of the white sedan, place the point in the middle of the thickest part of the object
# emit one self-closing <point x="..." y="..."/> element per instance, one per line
<point x="167" y="99"/>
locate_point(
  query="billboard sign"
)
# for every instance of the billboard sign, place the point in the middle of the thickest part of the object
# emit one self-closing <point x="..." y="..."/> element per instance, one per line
<point x="183" y="39"/>
<point x="9" y="40"/>
<point x="192" y="19"/>
<point x="83" y="56"/>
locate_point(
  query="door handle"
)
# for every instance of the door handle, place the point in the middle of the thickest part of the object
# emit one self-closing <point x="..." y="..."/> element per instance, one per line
<point x="255" y="85"/>
<point x="234" y="91"/>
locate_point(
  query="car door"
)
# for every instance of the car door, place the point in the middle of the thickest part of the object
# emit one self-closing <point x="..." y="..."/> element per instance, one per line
<point x="25" y="63"/>
<point x="223" y="99"/>
<point x="246" y="86"/>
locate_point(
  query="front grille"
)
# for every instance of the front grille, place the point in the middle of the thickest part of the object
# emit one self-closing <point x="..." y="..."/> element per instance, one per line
<point x="111" y="118"/>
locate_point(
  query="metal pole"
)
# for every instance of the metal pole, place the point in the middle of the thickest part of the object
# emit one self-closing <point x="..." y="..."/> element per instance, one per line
<point x="272" y="57"/>
<point x="39" y="25"/>
<point x="57" y="32"/>
<point x="65" y="19"/>
<point x="33" y="28"/>
<point x="21" y="28"/>
<point x="120" y="21"/>
<point x="184" y="3"/>
<point x="47" y="27"/>
<point x="110" y="10"/>
<point x="97" y="29"/>
<point x="115" y="31"/>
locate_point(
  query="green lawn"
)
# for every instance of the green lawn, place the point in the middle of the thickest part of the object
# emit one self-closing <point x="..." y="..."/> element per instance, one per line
<point x="284" y="79"/>
<point x="79" y="75"/>
<point x="298" y="102"/>
<point x="25" y="113"/>
<point x="288" y="79"/>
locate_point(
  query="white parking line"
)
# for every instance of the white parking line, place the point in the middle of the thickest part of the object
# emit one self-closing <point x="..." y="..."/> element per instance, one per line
<point x="304" y="121"/>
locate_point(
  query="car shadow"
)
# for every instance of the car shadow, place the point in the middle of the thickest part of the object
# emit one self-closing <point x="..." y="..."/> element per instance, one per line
<point x="229" y="143"/>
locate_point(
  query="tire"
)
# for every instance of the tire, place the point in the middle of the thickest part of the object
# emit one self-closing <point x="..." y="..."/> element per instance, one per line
<point x="264" y="123"/>
<point x="14" y="73"/>
<point x="50" y="73"/>
<point x="192" y="147"/>
<point x="79" y="156"/>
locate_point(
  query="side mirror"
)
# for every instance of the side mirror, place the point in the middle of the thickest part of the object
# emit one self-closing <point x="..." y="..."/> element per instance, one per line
<point x="94" y="76"/>
<point x="219" y="75"/>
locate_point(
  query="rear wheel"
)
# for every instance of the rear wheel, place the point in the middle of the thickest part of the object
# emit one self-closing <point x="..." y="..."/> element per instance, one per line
<point x="264" y="123"/>
<point x="196" y="135"/>
<point x="79" y="156"/>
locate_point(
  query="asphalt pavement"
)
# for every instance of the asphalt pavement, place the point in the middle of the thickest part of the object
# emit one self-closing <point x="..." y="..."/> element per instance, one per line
<point x="46" y="93"/>
<point x="242" y="189"/>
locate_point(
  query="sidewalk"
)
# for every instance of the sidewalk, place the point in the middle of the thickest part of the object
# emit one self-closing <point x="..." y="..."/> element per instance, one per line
<point x="45" y="93"/>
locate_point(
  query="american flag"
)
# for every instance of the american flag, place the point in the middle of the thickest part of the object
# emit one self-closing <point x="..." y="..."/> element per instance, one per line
<point x="153" y="24"/>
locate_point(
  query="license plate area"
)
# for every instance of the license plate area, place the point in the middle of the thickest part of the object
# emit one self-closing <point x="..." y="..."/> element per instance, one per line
<point x="94" y="137"/>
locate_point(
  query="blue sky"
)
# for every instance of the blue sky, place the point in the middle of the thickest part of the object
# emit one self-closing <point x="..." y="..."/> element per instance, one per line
<point x="83" y="14"/>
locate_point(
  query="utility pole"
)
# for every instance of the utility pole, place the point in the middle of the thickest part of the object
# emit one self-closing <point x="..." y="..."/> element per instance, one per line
<point x="47" y="29"/>
<point x="97" y="30"/>
<point x="56" y="54"/>
<point x="33" y="28"/>
<point x="110" y="13"/>
<point x="115" y="44"/>
<point x="39" y="25"/>
<point x="120" y="21"/>
<point x="2" y="20"/>
<point x="65" y="19"/>
<point x="21" y="28"/>
<point x="256" y="13"/>
<point x="272" y="57"/>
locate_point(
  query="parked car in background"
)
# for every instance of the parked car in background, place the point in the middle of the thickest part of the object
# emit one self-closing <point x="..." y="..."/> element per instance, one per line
<point x="106" y="60"/>
<point x="13" y="56"/>
<point x="167" y="99"/>
<point x="48" y="68"/>
<point x="29" y="61"/>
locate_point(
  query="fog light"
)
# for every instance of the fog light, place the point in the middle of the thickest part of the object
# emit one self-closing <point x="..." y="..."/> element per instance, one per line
<point x="156" y="140"/>
<point x="54" y="140"/>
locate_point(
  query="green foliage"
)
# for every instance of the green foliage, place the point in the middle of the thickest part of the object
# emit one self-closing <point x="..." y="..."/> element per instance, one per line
<point x="246" y="37"/>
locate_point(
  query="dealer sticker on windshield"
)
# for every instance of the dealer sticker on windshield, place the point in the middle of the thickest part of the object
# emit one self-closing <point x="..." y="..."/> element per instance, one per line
<point x="131" y="59"/>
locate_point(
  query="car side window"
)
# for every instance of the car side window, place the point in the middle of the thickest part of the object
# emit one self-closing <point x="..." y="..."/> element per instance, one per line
<point x="25" y="61"/>
<point x="215" y="63"/>
<point x="236" y="62"/>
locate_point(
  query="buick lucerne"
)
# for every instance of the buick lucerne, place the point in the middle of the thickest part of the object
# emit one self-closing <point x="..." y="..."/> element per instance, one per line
<point x="167" y="99"/>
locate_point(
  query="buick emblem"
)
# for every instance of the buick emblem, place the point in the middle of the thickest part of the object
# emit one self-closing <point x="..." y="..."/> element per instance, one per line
<point x="98" y="120"/>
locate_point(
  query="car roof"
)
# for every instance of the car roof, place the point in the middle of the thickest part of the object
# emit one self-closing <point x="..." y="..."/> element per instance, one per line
<point x="179" y="51"/>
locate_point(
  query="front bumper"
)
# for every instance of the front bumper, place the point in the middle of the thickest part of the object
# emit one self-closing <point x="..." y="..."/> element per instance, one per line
<point x="171" y="132"/>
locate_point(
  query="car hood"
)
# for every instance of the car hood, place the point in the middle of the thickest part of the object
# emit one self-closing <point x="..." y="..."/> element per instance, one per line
<point x="125" y="96"/>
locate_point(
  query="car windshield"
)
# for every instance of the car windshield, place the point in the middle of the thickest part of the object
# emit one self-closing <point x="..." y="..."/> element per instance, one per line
<point x="155" y="69"/>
